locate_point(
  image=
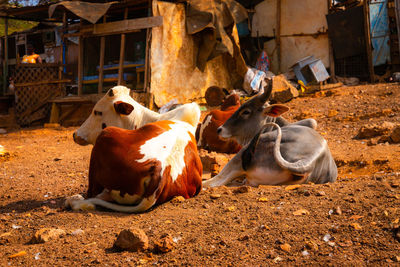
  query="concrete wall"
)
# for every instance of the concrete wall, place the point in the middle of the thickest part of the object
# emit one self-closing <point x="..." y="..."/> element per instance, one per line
<point x="305" y="17"/>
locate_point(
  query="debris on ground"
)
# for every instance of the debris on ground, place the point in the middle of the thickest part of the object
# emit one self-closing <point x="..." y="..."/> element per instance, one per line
<point x="132" y="239"/>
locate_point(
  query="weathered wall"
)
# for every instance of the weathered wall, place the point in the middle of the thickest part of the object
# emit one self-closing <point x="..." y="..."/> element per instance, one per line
<point x="297" y="17"/>
<point x="173" y="72"/>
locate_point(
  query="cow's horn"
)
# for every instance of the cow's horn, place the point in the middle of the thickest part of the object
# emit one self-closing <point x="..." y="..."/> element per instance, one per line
<point x="298" y="167"/>
<point x="267" y="91"/>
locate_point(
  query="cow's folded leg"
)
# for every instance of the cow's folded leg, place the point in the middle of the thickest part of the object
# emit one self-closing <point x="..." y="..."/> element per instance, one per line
<point x="77" y="202"/>
<point x="232" y="170"/>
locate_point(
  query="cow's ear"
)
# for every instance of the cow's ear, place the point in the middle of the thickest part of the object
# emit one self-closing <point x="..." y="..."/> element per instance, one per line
<point x="275" y="110"/>
<point x="123" y="108"/>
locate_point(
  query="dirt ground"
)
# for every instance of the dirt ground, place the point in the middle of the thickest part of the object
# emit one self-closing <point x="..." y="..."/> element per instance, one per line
<point x="354" y="221"/>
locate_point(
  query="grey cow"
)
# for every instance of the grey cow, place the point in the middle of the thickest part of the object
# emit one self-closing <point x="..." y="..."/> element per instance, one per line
<point x="274" y="150"/>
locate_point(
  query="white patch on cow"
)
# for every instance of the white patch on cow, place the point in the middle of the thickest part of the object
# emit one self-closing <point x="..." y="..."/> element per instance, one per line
<point x="169" y="148"/>
<point x="202" y="127"/>
<point x="264" y="175"/>
<point x="126" y="199"/>
<point x="140" y="116"/>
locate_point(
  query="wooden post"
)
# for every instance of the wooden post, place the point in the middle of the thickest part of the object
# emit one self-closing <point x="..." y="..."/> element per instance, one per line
<point x="101" y="63"/>
<point x="368" y="42"/>
<point x="331" y="57"/>
<point x="146" y="61"/>
<point x="62" y="56"/>
<point x="5" y="62"/>
<point x="122" y="53"/>
<point x="278" y="32"/>
<point x="80" y="64"/>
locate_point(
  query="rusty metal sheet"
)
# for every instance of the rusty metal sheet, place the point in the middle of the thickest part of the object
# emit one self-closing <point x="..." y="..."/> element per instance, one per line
<point x="91" y="12"/>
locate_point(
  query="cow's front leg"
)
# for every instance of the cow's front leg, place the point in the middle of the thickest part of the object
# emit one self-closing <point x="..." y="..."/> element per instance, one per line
<point x="232" y="170"/>
<point x="77" y="202"/>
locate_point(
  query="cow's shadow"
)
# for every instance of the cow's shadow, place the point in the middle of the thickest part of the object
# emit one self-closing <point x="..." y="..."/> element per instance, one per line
<point x="29" y="204"/>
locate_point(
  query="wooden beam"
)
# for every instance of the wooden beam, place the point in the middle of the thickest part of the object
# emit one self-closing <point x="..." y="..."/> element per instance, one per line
<point x="122" y="52"/>
<point x="146" y="87"/>
<point x="368" y="42"/>
<point x="42" y="82"/>
<point x="80" y="65"/>
<point x="62" y="56"/>
<point x="101" y="63"/>
<point x="5" y="62"/>
<point x="278" y="32"/>
<point x="127" y="25"/>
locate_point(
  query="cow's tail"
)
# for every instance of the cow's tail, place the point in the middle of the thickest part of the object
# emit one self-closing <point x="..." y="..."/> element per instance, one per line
<point x="298" y="167"/>
<point x="144" y="205"/>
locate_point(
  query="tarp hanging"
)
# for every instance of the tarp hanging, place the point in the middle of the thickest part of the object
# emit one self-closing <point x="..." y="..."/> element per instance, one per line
<point x="91" y="12"/>
<point x="210" y="21"/>
<point x="173" y="66"/>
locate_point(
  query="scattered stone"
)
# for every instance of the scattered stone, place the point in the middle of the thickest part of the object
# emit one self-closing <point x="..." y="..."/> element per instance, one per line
<point x="327" y="237"/>
<point x="292" y="187"/>
<point x="321" y="193"/>
<point x="384" y="139"/>
<point x="178" y="199"/>
<point x="395" y="135"/>
<point x="338" y="210"/>
<point x="231" y="208"/>
<point x="3" y="152"/>
<point x="241" y="190"/>
<point x="282" y="90"/>
<point x="164" y="244"/>
<point x="396" y="258"/>
<point x="356" y="226"/>
<point x="244" y="238"/>
<point x="332" y="113"/>
<point x="330" y="243"/>
<point x="369" y="131"/>
<point x="77" y="232"/>
<point x="372" y="142"/>
<point x="301" y="212"/>
<point x="262" y="199"/>
<point x="132" y="239"/>
<point x="311" y="245"/>
<point x="286" y="247"/>
<point x="206" y="206"/>
<point x="271" y="254"/>
<point x="46" y="234"/>
<point x="277" y="259"/>
<point x="305" y="253"/>
<point x="215" y="196"/>
<point x="212" y="162"/>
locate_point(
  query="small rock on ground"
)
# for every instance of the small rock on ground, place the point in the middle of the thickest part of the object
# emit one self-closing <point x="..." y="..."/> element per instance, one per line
<point x="46" y="234"/>
<point x="133" y="239"/>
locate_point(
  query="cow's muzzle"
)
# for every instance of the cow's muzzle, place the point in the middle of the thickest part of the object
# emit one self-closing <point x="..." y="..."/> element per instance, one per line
<point x="79" y="140"/>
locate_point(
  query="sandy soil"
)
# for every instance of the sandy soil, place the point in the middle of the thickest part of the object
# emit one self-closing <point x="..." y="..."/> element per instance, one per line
<point x="353" y="221"/>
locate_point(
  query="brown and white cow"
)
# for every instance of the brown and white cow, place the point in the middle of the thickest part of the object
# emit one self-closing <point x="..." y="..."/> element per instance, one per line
<point x="206" y="133"/>
<point x="133" y="170"/>
<point x="117" y="108"/>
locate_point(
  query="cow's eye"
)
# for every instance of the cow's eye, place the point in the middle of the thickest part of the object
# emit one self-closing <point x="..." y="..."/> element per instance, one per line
<point x="103" y="126"/>
<point x="246" y="112"/>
